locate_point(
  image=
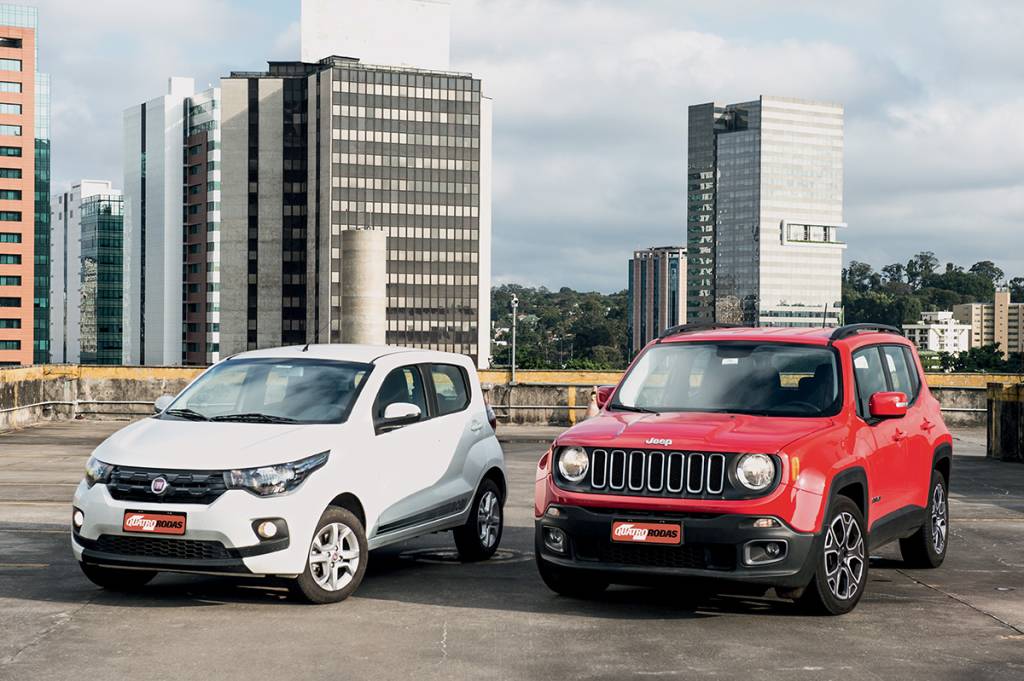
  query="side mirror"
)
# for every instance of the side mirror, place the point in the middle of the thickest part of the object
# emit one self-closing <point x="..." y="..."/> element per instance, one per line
<point x="162" y="403"/>
<point x="604" y="393"/>
<point x="398" y="414"/>
<point x="888" y="405"/>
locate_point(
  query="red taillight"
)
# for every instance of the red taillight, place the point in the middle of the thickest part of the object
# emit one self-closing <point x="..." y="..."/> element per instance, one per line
<point x="492" y="418"/>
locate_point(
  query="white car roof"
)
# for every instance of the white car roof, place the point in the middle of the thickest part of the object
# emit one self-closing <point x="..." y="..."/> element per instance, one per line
<point x="365" y="354"/>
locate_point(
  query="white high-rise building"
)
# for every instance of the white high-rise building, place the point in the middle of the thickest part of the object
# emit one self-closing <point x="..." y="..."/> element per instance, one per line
<point x="66" y="267"/>
<point x="409" y="33"/>
<point x="172" y="207"/>
<point x="765" y="210"/>
<point x="939" y="332"/>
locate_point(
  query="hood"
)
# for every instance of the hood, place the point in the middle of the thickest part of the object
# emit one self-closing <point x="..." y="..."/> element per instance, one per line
<point x="692" y="431"/>
<point x="203" y="445"/>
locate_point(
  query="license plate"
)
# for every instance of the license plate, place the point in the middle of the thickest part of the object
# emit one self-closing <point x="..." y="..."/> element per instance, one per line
<point x="647" y="533"/>
<point x="150" y="522"/>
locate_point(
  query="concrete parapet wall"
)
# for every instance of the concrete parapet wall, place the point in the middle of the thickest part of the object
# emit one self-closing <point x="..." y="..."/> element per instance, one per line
<point x="556" y="397"/>
<point x="1005" y="421"/>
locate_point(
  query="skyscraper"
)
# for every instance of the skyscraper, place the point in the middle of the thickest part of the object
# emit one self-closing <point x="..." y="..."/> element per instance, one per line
<point x="24" y="191"/>
<point x="171" y="227"/>
<point x="764" y="210"/>
<point x="66" y="217"/>
<point x="311" y="150"/>
<point x="657" y="293"/>
<point x="102" y="279"/>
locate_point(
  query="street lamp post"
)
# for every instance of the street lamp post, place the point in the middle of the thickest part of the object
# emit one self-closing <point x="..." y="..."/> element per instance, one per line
<point x="515" y="306"/>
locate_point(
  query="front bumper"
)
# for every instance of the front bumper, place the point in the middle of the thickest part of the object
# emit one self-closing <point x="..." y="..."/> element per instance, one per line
<point x="219" y="537"/>
<point x="713" y="546"/>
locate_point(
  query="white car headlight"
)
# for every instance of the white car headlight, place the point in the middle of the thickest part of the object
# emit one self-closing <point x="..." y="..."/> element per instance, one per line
<point x="755" y="471"/>
<point x="267" y="481"/>
<point x="573" y="464"/>
<point x="97" y="472"/>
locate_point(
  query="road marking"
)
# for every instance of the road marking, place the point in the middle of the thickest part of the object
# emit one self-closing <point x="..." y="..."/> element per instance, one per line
<point x="23" y="566"/>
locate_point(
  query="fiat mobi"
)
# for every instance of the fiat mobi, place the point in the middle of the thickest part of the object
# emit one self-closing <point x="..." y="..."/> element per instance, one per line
<point x="295" y="463"/>
<point x="776" y="457"/>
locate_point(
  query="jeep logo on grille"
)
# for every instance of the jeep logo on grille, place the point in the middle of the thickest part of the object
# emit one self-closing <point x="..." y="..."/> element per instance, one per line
<point x="662" y="441"/>
<point x="158" y="486"/>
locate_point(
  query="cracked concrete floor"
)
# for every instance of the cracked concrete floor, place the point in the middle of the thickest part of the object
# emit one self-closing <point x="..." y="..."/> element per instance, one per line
<point x="418" y="615"/>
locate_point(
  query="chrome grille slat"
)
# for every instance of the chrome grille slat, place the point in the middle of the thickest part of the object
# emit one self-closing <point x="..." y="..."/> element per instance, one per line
<point x="679" y="461"/>
<point x="595" y="467"/>
<point x="632" y="471"/>
<point x="619" y="468"/>
<point x="716" y="473"/>
<point x="694" y="459"/>
<point x="651" y="457"/>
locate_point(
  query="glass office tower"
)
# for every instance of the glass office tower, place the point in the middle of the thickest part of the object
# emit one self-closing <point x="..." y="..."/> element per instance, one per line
<point x="102" y="224"/>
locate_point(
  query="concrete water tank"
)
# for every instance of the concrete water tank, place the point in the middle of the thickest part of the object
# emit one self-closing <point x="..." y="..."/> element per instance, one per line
<point x="363" y="286"/>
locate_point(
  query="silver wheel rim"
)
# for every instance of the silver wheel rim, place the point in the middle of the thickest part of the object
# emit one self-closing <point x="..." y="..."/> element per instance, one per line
<point x="334" y="556"/>
<point x="844" y="556"/>
<point x="488" y="519"/>
<point x="940" y="525"/>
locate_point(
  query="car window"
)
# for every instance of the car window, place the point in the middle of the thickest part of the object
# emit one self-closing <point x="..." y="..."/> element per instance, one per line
<point x="402" y="385"/>
<point x="899" y="372"/>
<point x="870" y="377"/>
<point x="450" y="388"/>
<point x="915" y="378"/>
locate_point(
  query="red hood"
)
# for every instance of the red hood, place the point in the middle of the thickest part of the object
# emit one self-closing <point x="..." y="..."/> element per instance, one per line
<point x="692" y="431"/>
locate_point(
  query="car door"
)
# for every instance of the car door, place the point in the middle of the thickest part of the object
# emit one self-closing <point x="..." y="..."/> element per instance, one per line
<point x="914" y="469"/>
<point x="408" y="455"/>
<point x="461" y="429"/>
<point x="888" y="456"/>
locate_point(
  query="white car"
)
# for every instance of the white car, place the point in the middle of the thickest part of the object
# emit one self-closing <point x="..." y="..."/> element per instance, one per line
<point x="295" y="462"/>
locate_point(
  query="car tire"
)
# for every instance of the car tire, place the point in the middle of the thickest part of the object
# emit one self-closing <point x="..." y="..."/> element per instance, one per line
<point x="841" y="562"/>
<point x="115" y="579"/>
<point x="927" y="547"/>
<point x="336" y="561"/>
<point x="570" y="582"/>
<point x="480" y="536"/>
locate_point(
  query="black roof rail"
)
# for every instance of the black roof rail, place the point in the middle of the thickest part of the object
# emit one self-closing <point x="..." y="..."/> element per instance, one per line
<point x="853" y="329"/>
<point x="697" y="326"/>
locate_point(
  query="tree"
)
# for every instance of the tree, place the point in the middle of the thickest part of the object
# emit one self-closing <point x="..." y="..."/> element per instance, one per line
<point x="859" y="276"/>
<point x="920" y="267"/>
<point x="988" y="270"/>
<point x="1016" y="286"/>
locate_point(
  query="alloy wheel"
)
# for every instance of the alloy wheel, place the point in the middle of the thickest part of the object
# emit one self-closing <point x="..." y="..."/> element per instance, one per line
<point x="844" y="556"/>
<point x="488" y="519"/>
<point x="940" y="525"/>
<point x="334" y="556"/>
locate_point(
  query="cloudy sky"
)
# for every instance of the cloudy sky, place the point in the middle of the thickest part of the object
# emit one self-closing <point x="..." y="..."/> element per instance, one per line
<point x="590" y="102"/>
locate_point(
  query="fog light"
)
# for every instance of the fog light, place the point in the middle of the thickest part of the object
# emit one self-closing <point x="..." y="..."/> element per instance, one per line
<point x="761" y="552"/>
<point x="78" y="519"/>
<point x="554" y="539"/>
<point x="266" y="529"/>
<point x="554" y="512"/>
<point x="773" y="549"/>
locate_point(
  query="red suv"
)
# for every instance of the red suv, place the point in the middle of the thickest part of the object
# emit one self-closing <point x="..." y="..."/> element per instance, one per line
<point x="775" y="457"/>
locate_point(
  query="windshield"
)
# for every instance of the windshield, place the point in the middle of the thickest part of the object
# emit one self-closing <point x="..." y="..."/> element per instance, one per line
<point x="268" y="390"/>
<point x="730" y="377"/>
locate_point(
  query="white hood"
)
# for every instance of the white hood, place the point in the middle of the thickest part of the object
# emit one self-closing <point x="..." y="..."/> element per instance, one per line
<point x="202" y="445"/>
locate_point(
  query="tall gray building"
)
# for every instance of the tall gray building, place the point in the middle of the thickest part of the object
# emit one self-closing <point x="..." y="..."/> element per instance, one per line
<point x="764" y="210"/>
<point x="310" y="150"/>
<point x="657" y="293"/>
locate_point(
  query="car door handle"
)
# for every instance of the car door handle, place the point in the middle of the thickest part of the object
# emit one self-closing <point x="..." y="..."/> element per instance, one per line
<point x="927" y="425"/>
<point x="898" y="435"/>
<point x="475" y="426"/>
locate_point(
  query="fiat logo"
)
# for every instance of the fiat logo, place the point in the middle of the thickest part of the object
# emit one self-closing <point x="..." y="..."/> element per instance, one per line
<point x="158" y="486"/>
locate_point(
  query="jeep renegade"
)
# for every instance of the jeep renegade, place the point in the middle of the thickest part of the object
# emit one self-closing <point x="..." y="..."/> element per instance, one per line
<point x="776" y="457"/>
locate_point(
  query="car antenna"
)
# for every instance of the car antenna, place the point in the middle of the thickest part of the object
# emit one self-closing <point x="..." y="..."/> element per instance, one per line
<point x="306" y="349"/>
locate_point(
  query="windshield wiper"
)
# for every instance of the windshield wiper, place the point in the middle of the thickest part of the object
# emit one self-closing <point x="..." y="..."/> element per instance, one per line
<point x="189" y="414"/>
<point x="254" y="417"/>
<point x="628" y="407"/>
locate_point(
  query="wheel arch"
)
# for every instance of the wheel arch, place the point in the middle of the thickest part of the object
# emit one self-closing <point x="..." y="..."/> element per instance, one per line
<point x="351" y="502"/>
<point x="851" y="483"/>
<point x="498" y="476"/>
<point x="942" y="460"/>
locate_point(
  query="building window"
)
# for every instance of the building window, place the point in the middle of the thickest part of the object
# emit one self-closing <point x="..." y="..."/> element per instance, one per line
<point x="7" y="108"/>
<point x="10" y="216"/>
<point x="10" y="302"/>
<point x="10" y="345"/>
<point x="10" y="280"/>
<point x="10" y="173"/>
<point x="10" y="323"/>
<point x="10" y="65"/>
<point x="10" y="259"/>
<point x="10" y="238"/>
<point x="9" y="86"/>
<point x="10" y="194"/>
<point x="10" y="151"/>
<point x="13" y="43"/>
